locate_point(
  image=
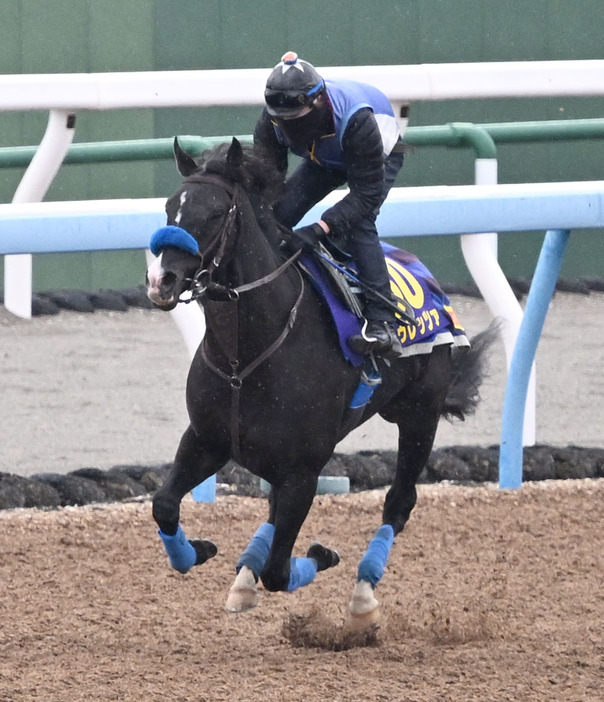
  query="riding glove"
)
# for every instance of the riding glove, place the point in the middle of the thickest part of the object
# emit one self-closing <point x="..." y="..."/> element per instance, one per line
<point x="307" y="238"/>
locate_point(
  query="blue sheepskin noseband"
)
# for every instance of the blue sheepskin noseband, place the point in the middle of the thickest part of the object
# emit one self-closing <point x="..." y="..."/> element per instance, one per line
<point x="172" y="236"/>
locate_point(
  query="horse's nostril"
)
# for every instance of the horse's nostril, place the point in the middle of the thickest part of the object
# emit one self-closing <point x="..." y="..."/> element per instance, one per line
<point x="168" y="280"/>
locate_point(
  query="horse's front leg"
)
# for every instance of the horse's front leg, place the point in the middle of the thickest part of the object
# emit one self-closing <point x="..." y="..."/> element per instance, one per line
<point x="268" y="555"/>
<point x="192" y="465"/>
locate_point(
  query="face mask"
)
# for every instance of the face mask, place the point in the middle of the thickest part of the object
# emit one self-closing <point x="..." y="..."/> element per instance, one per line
<point x="303" y="131"/>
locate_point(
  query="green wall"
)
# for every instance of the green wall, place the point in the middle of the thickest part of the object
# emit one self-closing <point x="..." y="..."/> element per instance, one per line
<point x="131" y="35"/>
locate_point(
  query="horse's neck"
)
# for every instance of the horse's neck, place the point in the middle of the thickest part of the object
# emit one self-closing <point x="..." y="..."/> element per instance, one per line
<point x="254" y="258"/>
<point x="261" y="312"/>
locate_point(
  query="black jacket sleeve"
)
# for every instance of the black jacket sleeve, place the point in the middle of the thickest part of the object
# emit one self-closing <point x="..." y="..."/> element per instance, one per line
<point x="266" y="144"/>
<point x="364" y="163"/>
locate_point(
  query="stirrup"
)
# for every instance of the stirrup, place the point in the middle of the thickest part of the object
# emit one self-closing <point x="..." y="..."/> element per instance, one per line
<point x="361" y="343"/>
<point x="365" y="344"/>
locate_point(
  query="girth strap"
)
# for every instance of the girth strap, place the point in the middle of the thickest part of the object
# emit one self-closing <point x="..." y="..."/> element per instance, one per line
<point x="236" y="378"/>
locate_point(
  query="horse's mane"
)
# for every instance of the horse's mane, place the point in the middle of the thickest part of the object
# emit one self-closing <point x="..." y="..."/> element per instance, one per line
<point x="258" y="177"/>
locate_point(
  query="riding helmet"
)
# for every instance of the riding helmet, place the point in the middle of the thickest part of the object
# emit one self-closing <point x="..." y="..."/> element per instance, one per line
<point x="292" y="86"/>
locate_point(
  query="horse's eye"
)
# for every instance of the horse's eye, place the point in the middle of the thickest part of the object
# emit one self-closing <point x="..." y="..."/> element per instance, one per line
<point x="218" y="214"/>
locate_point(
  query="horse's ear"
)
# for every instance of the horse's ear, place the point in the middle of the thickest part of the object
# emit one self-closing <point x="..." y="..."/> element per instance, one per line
<point x="185" y="163"/>
<point x="235" y="153"/>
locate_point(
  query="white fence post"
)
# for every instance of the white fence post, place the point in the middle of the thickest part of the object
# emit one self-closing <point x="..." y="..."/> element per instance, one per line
<point x="64" y="94"/>
<point x="480" y="254"/>
<point x="429" y="211"/>
<point x="32" y="188"/>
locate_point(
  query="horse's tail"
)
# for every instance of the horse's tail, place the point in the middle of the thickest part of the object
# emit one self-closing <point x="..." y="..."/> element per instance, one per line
<point x="469" y="370"/>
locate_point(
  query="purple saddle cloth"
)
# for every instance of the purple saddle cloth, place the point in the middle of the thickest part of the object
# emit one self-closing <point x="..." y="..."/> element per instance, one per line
<point x="410" y="280"/>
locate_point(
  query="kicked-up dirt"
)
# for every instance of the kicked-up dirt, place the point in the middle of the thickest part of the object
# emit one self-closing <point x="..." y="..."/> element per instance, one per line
<point x="489" y="595"/>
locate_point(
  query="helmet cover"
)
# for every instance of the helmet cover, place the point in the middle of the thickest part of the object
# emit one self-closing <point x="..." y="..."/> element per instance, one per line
<point x="292" y="86"/>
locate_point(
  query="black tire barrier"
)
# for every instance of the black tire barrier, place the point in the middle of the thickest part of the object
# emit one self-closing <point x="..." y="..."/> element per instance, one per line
<point x="53" y="301"/>
<point x="72" y="300"/>
<point x="108" y="300"/>
<point x="366" y="470"/>
<point x="41" y="306"/>
<point x="595" y="284"/>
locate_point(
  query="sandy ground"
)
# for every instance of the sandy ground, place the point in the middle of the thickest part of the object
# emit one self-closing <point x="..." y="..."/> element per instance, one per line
<point x="107" y="388"/>
<point x="489" y="595"/>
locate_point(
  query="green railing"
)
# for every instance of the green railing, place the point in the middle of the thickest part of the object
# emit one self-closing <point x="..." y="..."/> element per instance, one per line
<point x="481" y="137"/>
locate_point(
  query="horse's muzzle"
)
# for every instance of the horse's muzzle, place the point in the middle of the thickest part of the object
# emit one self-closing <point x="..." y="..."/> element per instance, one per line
<point x="158" y="301"/>
<point x="162" y="287"/>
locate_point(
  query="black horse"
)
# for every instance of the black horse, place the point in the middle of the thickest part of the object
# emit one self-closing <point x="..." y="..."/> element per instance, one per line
<point x="269" y="385"/>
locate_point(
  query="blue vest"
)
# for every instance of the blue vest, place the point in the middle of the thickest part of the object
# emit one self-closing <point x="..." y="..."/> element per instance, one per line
<point x="347" y="97"/>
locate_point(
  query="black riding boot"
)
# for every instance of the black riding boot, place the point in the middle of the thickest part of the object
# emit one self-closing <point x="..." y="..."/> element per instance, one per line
<point x="379" y="331"/>
<point x="379" y="338"/>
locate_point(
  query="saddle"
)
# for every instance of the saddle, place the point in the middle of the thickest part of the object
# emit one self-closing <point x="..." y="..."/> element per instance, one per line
<point x="341" y="270"/>
<point x="426" y="316"/>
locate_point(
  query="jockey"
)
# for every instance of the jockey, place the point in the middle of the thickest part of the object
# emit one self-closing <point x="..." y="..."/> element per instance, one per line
<point x="345" y="132"/>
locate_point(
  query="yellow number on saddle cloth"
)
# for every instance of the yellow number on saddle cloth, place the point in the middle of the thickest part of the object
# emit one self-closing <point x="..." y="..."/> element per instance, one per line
<point x="405" y="286"/>
<point x="433" y="313"/>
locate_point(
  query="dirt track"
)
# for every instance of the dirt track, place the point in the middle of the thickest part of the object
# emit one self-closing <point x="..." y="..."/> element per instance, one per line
<point x="107" y="388"/>
<point x="488" y="596"/>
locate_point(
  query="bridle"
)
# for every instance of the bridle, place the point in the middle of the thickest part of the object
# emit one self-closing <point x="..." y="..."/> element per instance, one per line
<point x="202" y="283"/>
<point x="227" y="333"/>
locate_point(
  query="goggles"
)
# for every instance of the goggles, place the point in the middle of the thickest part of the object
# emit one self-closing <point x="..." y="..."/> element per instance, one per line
<point x="290" y="104"/>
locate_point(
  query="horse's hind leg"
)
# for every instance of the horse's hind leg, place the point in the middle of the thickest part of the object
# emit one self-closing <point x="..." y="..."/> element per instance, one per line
<point x="192" y="465"/>
<point x="417" y="419"/>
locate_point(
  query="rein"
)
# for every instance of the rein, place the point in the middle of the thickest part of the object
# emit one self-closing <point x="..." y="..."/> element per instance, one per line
<point x="218" y="241"/>
<point x="226" y="330"/>
<point x="202" y="283"/>
<point x="236" y="377"/>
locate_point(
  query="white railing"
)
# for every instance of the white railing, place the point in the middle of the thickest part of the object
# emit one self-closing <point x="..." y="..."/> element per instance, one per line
<point x="235" y="87"/>
<point x="63" y="95"/>
<point x="441" y="210"/>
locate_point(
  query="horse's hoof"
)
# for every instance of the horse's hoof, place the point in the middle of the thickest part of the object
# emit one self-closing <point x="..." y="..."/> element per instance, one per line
<point x="243" y="594"/>
<point x="324" y="557"/>
<point x="204" y="550"/>
<point x="364" y="608"/>
<point x="363" y="623"/>
<point x="241" y="600"/>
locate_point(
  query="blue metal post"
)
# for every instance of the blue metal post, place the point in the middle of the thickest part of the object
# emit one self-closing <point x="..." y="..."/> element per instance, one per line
<point x="206" y="491"/>
<point x="540" y="294"/>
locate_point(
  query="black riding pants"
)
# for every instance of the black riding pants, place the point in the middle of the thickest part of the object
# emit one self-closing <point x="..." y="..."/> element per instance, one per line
<point x="307" y="186"/>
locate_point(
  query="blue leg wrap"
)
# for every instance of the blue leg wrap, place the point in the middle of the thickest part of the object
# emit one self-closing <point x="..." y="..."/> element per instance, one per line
<point x="373" y="563"/>
<point x="302" y="572"/>
<point x="180" y="552"/>
<point x="256" y="553"/>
